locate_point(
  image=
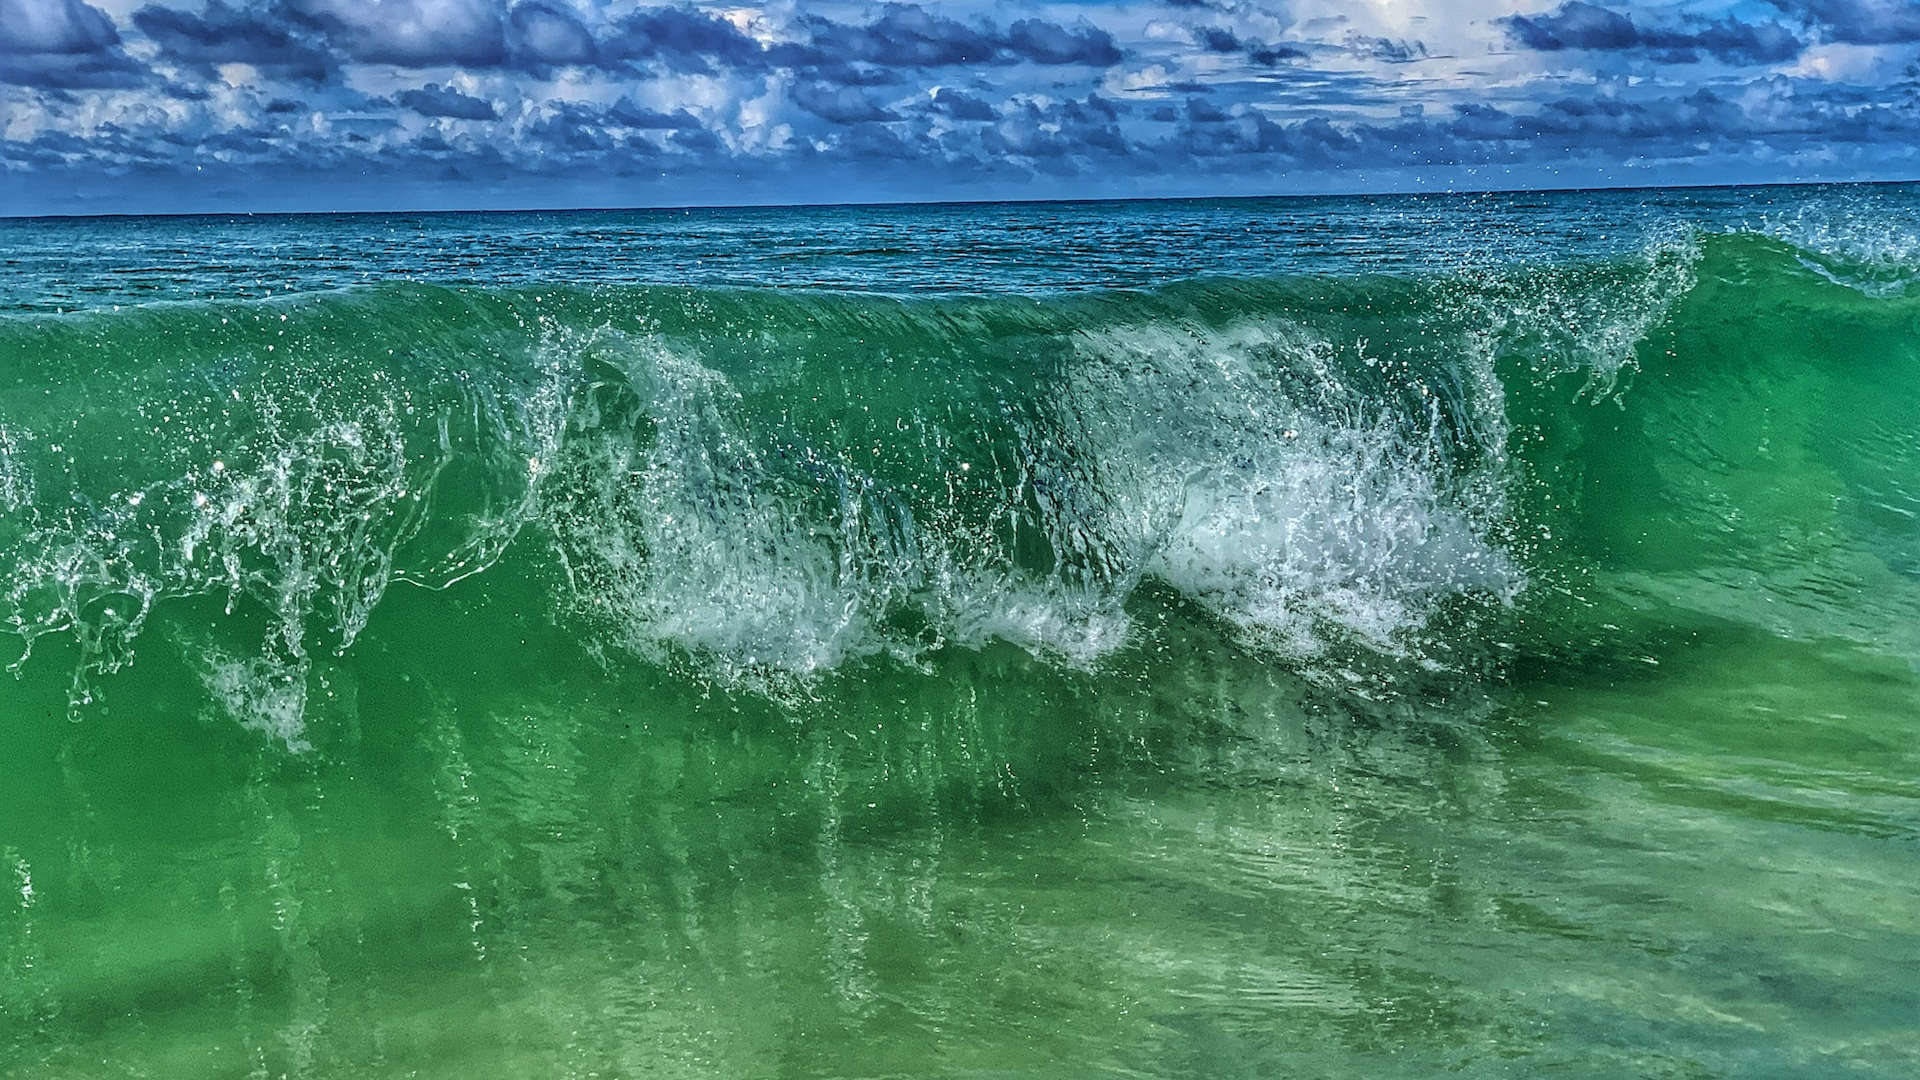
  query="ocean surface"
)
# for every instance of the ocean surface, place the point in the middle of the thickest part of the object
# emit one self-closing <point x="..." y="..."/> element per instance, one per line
<point x="1373" y="638"/>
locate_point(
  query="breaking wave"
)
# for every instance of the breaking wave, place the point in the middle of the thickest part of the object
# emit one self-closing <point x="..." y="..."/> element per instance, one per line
<point x="755" y="488"/>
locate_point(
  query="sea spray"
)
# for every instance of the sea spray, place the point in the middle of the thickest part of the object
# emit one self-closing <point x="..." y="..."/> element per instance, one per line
<point x="756" y="488"/>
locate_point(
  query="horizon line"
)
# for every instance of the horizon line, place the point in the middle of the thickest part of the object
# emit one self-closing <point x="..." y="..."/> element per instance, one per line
<point x="886" y="203"/>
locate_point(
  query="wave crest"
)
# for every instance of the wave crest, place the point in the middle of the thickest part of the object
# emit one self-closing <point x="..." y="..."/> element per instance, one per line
<point x="758" y="488"/>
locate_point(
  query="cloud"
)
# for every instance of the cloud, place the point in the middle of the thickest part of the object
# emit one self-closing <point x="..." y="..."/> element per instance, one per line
<point x="625" y="113"/>
<point x="1200" y="111"/>
<point x="909" y="36"/>
<point x="412" y="33"/>
<point x="436" y="100"/>
<point x="1050" y="43"/>
<point x="960" y="105"/>
<point x="1387" y="50"/>
<point x="1222" y="41"/>
<point x="1216" y="39"/>
<point x="683" y="39"/>
<point x="1577" y="24"/>
<point x="838" y="104"/>
<point x="699" y="141"/>
<point x="1858" y="22"/>
<point x="309" y="40"/>
<point x="905" y="36"/>
<point x="221" y="34"/>
<point x="574" y="131"/>
<point x="1059" y="137"/>
<point x="621" y="138"/>
<point x="1749" y="43"/>
<point x="1270" y="55"/>
<point x="62" y="44"/>
<point x="862" y="98"/>
<point x="56" y="27"/>
<point x="541" y="33"/>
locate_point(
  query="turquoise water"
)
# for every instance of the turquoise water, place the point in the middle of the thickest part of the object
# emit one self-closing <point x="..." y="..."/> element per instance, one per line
<point x="1320" y="638"/>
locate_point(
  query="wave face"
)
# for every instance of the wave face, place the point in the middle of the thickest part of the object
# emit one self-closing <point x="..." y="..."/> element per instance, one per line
<point x="1400" y="474"/>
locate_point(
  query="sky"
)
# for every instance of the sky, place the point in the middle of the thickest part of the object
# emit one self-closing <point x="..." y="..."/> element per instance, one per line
<point x="146" y="106"/>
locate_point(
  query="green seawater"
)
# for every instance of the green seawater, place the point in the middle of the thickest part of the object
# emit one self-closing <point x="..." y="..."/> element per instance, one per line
<point x="1502" y="669"/>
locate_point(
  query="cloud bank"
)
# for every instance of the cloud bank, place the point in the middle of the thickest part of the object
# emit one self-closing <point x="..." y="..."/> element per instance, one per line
<point x="333" y="104"/>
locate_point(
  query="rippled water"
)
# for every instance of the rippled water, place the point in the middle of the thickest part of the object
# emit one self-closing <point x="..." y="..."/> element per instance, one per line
<point x="69" y="264"/>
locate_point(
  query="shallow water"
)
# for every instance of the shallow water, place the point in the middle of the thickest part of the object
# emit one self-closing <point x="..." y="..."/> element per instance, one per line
<point x="1500" y="663"/>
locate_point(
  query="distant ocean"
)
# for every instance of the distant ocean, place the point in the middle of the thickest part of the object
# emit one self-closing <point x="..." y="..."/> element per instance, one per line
<point x="1371" y="637"/>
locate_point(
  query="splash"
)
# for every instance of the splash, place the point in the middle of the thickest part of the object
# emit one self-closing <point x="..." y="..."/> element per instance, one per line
<point x="755" y="490"/>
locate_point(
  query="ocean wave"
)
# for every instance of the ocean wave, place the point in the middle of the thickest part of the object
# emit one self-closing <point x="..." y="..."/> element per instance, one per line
<point x="755" y="489"/>
<point x="1862" y="242"/>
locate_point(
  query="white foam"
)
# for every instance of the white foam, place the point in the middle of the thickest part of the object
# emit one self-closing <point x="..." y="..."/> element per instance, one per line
<point x="1859" y="242"/>
<point x="16" y="484"/>
<point x="1079" y="626"/>
<point x="303" y="521"/>
<point x="1267" y="488"/>
<point x="1240" y="466"/>
<point x="678" y="537"/>
<point x="1573" y="318"/>
<point x="1294" y="486"/>
<point x="263" y="693"/>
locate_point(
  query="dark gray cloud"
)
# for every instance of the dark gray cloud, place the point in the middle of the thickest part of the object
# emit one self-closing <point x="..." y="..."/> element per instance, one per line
<point x="105" y="70"/>
<point x="905" y="36"/>
<point x="1269" y="54"/>
<point x="1388" y="49"/>
<point x="909" y="36"/>
<point x="540" y="33"/>
<point x="625" y="113"/>
<point x="1201" y="111"/>
<point x="1224" y="41"/>
<point x="699" y="141"/>
<point x="411" y="33"/>
<point x="1219" y="39"/>
<point x="434" y="99"/>
<point x="1577" y="24"/>
<point x="1738" y="42"/>
<point x="1216" y="39"/>
<point x="573" y="131"/>
<point x="63" y="45"/>
<point x="1582" y="128"/>
<point x="682" y="38"/>
<point x="622" y="140"/>
<point x="54" y="27"/>
<point x="1858" y="22"/>
<point x="1061" y="137"/>
<point x="960" y="105"/>
<point x="222" y="34"/>
<point x="308" y="40"/>
<point x="1050" y="43"/>
<point x="838" y="104"/>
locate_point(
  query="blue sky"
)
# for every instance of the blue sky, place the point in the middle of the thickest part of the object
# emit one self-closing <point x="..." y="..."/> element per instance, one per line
<point x="178" y="105"/>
